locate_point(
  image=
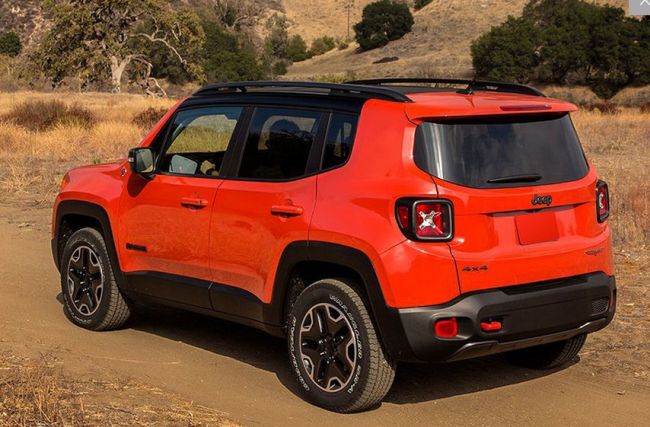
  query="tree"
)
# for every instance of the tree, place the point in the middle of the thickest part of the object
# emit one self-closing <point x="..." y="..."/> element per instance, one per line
<point x="322" y="45"/>
<point x="568" y="42"/>
<point x="238" y="15"/>
<point x="383" y="21"/>
<point x="276" y="44"/>
<point x="228" y="57"/>
<point x="297" y="49"/>
<point x="507" y="52"/>
<point x="277" y="39"/>
<point x="101" y="41"/>
<point x="10" y="44"/>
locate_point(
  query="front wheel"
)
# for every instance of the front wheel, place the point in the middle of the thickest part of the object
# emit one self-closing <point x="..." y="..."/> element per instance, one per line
<point x="91" y="298"/>
<point x="334" y="350"/>
<point x="548" y="356"/>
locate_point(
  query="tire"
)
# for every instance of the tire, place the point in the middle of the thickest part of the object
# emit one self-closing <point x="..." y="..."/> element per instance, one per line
<point x="91" y="298"/>
<point x="548" y="356"/>
<point x="345" y="369"/>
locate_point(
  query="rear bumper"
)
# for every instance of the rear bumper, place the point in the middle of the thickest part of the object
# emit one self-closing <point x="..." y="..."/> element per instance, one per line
<point x="531" y="314"/>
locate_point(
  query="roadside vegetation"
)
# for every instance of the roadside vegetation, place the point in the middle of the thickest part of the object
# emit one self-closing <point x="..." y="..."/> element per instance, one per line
<point x="36" y="392"/>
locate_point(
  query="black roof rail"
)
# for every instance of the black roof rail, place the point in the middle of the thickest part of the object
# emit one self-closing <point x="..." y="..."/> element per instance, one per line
<point x="329" y="88"/>
<point x="471" y="85"/>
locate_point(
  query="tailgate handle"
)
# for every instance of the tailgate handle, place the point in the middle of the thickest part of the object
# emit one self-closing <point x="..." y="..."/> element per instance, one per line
<point x="194" y="202"/>
<point x="286" y="210"/>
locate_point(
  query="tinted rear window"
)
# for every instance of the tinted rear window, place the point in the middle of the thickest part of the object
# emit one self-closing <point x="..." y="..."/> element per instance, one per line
<point x="501" y="152"/>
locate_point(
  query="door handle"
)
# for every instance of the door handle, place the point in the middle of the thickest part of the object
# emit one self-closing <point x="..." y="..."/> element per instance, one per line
<point x="286" y="210"/>
<point x="193" y="202"/>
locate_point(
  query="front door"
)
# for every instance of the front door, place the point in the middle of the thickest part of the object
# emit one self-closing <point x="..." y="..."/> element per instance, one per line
<point x="269" y="203"/>
<point x="165" y="225"/>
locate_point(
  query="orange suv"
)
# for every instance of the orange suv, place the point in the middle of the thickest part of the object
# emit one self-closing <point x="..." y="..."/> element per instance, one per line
<point x="369" y="223"/>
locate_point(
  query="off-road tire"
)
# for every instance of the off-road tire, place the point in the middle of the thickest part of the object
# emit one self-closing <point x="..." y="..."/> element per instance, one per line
<point x="548" y="356"/>
<point x="113" y="310"/>
<point x="372" y="374"/>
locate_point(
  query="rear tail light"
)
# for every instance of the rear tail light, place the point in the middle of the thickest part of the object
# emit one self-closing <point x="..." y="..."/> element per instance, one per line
<point x="602" y="201"/>
<point x="429" y="220"/>
<point x="446" y="328"/>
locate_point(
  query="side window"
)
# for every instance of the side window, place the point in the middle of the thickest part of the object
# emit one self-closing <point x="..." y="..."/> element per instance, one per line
<point x="278" y="143"/>
<point x="198" y="141"/>
<point x="340" y="136"/>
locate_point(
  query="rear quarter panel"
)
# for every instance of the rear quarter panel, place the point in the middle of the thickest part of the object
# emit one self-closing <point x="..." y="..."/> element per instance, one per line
<point x="355" y="207"/>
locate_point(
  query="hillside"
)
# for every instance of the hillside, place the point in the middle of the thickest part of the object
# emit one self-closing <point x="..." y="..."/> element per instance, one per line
<point x="24" y="17"/>
<point x="438" y="45"/>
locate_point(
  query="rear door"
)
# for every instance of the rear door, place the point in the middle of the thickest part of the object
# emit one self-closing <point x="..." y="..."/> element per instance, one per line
<point x="523" y="196"/>
<point x="269" y="202"/>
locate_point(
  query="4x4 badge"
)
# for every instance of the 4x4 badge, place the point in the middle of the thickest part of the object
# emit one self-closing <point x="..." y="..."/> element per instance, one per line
<point x="542" y="200"/>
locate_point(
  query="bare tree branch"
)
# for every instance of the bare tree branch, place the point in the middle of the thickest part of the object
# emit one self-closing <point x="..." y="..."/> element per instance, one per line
<point x="155" y="39"/>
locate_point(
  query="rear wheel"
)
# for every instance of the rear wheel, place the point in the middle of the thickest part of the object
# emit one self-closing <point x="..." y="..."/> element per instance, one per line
<point x="91" y="298"/>
<point x="548" y="356"/>
<point x="334" y="350"/>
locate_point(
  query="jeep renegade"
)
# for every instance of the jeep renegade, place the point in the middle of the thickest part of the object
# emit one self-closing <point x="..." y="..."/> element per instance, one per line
<point x="369" y="223"/>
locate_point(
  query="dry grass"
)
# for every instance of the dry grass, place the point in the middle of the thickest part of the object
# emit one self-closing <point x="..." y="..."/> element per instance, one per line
<point x="34" y="162"/>
<point x="618" y="146"/>
<point x="36" y="392"/>
<point x="148" y="118"/>
<point x="41" y="115"/>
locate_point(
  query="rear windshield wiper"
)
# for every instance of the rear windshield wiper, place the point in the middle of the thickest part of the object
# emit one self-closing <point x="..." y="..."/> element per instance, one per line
<point x="533" y="177"/>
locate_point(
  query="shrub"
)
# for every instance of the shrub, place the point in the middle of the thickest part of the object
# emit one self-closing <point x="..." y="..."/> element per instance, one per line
<point x="40" y="116"/>
<point x="343" y="45"/>
<point x="645" y="108"/>
<point x="383" y="21"/>
<point x="604" y="107"/>
<point x="419" y="4"/>
<point x="280" y="68"/>
<point x="10" y="44"/>
<point x="297" y="49"/>
<point x="322" y="45"/>
<point x="277" y="38"/>
<point x="147" y="119"/>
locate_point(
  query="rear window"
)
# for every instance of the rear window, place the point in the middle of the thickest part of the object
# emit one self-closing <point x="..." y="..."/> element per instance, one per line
<point x="508" y="151"/>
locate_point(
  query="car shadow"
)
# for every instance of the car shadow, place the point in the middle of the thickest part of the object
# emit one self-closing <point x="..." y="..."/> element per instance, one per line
<point x="413" y="383"/>
<point x="416" y="383"/>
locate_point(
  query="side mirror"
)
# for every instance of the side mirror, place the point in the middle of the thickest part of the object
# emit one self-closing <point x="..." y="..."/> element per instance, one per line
<point x="141" y="161"/>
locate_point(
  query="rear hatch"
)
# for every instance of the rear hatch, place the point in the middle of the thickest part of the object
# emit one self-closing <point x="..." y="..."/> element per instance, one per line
<point x="523" y="196"/>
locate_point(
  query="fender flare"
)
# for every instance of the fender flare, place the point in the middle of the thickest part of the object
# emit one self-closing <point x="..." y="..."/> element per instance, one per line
<point x="386" y="319"/>
<point x="97" y="213"/>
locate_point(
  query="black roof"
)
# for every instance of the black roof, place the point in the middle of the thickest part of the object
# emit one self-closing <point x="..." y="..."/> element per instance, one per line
<point x="364" y="91"/>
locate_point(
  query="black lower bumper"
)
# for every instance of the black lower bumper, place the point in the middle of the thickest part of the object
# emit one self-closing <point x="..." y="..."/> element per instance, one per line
<point x="530" y="315"/>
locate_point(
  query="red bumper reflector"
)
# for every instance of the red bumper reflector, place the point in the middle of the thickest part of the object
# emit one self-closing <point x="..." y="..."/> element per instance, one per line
<point x="491" y="326"/>
<point x="446" y="328"/>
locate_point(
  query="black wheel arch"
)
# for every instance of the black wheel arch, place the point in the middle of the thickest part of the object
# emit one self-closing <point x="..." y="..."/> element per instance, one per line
<point x="339" y="259"/>
<point x="73" y="215"/>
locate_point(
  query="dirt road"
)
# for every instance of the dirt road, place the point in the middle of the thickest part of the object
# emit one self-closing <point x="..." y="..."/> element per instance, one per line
<point x="244" y="373"/>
